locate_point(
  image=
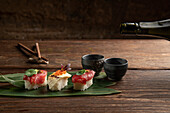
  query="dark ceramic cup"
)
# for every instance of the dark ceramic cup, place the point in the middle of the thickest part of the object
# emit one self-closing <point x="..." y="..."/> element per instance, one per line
<point x="115" y="68"/>
<point x="93" y="62"/>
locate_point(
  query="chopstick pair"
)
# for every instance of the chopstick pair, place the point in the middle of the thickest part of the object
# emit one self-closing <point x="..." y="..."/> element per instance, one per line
<point x="40" y="60"/>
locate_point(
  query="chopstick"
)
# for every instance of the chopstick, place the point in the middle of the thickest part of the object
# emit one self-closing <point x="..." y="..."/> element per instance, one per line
<point x="38" y="50"/>
<point x="23" y="52"/>
<point x="30" y="51"/>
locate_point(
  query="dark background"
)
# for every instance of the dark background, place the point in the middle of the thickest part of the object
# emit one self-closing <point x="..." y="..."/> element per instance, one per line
<point x="75" y="19"/>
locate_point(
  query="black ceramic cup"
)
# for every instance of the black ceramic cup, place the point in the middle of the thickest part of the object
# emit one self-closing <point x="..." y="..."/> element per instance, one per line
<point x="115" y="68"/>
<point x="93" y="62"/>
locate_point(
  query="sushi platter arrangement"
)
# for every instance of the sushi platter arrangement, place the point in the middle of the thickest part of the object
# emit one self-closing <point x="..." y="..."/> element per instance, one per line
<point x="40" y="83"/>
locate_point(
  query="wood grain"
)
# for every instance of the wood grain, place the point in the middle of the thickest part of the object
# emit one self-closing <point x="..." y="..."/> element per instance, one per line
<point x="145" y="87"/>
<point x="143" y="91"/>
<point x="141" y="54"/>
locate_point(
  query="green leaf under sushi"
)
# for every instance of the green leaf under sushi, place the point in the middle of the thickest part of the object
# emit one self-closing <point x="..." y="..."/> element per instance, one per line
<point x="16" y="76"/>
<point x="98" y="87"/>
<point x="101" y="76"/>
<point x="44" y="92"/>
<point x="17" y="83"/>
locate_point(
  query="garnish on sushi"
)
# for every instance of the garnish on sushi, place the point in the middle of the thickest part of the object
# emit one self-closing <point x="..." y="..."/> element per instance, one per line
<point x="35" y="78"/>
<point x="59" y="79"/>
<point x="83" y="79"/>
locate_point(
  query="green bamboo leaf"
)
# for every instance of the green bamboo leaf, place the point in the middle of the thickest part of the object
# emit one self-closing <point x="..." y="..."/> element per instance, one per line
<point x="98" y="88"/>
<point x="17" y="83"/>
<point x="101" y="76"/>
<point x="15" y="76"/>
<point x="44" y="92"/>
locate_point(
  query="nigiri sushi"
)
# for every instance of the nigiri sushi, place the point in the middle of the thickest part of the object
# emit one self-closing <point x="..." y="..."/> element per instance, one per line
<point x="83" y="79"/>
<point x="34" y="78"/>
<point x="59" y="79"/>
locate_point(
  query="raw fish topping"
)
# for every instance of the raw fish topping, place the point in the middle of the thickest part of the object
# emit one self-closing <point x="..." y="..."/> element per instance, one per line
<point x="62" y="73"/>
<point x="88" y="75"/>
<point x="38" y="78"/>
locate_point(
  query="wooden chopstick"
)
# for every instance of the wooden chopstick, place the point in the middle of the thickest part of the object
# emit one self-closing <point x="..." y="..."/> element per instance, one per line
<point x="30" y="51"/>
<point x="38" y="50"/>
<point x="23" y="52"/>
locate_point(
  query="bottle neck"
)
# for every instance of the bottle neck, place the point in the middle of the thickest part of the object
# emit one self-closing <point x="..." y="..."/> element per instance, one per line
<point x="132" y="28"/>
<point x="157" y="28"/>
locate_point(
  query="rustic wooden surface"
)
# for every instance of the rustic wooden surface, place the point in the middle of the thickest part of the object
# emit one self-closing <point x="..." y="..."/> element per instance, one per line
<point x="145" y="87"/>
<point x="141" y="54"/>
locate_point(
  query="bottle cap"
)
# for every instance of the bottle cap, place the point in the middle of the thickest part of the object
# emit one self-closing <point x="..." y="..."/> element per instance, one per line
<point x="129" y="28"/>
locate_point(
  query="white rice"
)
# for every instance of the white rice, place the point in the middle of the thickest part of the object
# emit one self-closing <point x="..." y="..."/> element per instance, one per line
<point x="56" y="84"/>
<point x="82" y="87"/>
<point x="30" y="86"/>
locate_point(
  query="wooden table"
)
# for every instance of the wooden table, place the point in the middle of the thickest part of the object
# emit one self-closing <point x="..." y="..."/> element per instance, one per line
<point x="145" y="88"/>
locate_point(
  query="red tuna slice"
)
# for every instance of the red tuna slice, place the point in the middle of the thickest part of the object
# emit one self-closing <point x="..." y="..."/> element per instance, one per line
<point x="38" y="78"/>
<point x="84" y="77"/>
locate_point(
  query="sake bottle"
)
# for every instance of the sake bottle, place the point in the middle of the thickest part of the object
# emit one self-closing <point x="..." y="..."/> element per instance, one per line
<point x="159" y="29"/>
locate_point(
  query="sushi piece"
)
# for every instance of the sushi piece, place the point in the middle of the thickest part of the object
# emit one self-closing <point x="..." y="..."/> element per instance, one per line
<point x="83" y="79"/>
<point x="34" y="78"/>
<point x="59" y="79"/>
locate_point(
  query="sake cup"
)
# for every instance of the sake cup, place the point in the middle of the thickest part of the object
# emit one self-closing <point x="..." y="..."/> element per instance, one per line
<point x="115" y="68"/>
<point x="93" y="62"/>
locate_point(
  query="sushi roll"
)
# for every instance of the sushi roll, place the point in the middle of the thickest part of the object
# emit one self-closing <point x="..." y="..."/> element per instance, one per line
<point x="59" y="79"/>
<point x="83" y="79"/>
<point x="34" y="78"/>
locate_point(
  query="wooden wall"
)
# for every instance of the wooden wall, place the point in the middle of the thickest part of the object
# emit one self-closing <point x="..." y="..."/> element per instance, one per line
<point x="75" y="19"/>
